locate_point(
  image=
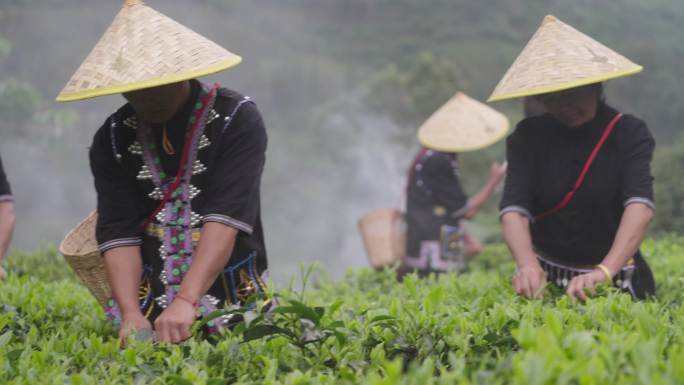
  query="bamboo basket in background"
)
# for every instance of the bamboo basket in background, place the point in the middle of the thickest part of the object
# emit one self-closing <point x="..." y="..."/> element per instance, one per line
<point x="384" y="236"/>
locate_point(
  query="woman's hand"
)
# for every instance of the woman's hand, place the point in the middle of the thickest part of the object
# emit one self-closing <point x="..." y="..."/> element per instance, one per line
<point x="529" y="281"/>
<point x="173" y="325"/>
<point x="133" y="323"/>
<point x="581" y="284"/>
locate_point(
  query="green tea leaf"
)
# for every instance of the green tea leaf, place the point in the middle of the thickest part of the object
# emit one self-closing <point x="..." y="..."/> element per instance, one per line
<point x="178" y="380"/>
<point x="261" y="331"/>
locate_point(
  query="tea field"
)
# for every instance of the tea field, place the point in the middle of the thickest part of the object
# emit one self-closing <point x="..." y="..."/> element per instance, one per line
<point x="364" y="329"/>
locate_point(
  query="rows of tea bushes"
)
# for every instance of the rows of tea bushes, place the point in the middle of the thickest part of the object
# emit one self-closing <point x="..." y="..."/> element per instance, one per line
<point x="364" y="329"/>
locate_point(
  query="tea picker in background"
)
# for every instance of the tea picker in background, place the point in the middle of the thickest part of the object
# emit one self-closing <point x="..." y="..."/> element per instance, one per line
<point x="177" y="172"/>
<point x="7" y="218"/>
<point x="436" y="204"/>
<point x="578" y="198"/>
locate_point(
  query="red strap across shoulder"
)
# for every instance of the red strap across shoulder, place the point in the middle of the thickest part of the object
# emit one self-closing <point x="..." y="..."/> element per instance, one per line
<point x="585" y="169"/>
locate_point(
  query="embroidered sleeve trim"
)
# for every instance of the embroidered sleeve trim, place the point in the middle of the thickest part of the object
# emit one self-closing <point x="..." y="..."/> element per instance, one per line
<point x="121" y="242"/>
<point x="6" y="198"/>
<point x="645" y="201"/>
<point x="112" y="138"/>
<point x="228" y="221"/>
<point x="229" y="118"/>
<point x="516" y="209"/>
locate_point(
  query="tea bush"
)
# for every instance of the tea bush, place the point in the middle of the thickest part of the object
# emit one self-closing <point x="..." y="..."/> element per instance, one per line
<point x="365" y="329"/>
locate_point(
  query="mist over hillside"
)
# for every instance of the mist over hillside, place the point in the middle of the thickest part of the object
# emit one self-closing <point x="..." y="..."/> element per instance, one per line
<point x="330" y="78"/>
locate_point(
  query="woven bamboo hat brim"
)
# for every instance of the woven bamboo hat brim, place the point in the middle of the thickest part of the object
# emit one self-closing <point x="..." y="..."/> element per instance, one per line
<point x="463" y="124"/>
<point x="559" y="57"/>
<point x="141" y="49"/>
<point x="80" y="250"/>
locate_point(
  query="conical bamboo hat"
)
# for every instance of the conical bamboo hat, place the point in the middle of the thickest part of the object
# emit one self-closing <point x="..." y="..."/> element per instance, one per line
<point x="559" y="57"/>
<point x="141" y="49"/>
<point x="463" y="124"/>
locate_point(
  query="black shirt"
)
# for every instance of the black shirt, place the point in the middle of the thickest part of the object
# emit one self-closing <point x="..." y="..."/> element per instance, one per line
<point x="231" y="159"/>
<point x="434" y="198"/>
<point x="5" y="191"/>
<point x="545" y="159"/>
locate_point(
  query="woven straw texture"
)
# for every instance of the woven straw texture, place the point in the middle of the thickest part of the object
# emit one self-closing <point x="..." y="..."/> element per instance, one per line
<point x="143" y="48"/>
<point x="559" y="57"/>
<point x="384" y="236"/>
<point x="463" y="124"/>
<point x="80" y="250"/>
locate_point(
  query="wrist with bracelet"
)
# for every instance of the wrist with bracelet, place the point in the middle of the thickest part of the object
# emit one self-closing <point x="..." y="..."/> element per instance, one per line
<point x="187" y="300"/>
<point x="605" y="271"/>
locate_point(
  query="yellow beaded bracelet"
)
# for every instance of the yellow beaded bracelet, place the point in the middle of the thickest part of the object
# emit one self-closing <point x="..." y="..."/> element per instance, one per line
<point x="605" y="271"/>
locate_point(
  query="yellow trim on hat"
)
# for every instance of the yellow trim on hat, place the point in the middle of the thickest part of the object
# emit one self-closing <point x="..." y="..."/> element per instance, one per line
<point x="149" y="83"/>
<point x="437" y="147"/>
<point x="567" y="85"/>
<point x="463" y="124"/>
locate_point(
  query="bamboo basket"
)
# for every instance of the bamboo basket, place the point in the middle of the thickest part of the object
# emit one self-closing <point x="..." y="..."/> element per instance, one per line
<point x="384" y="236"/>
<point x="79" y="248"/>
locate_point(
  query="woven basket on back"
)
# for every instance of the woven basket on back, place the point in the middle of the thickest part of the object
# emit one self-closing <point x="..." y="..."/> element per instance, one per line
<point x="384" y="235"/>
<point x="80" y="250"/>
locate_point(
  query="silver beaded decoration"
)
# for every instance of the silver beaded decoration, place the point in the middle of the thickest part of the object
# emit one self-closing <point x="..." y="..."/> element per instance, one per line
<point x="131" y="122"/>
<point x="161" y="216"/>
<point x="194" y="191"/>
<point x="162" y="301"/>
<point x="203" y="142"/>
<point x="135" y="148"/>
<point x="195" y="219"/>
<point x="198" y="167"/>
<point x="156" y="194"/>
<point x="211" y="299"/>
<point x="144" y="173"/>
<point x="164" y="277"/>
<point x="212" y="116"/>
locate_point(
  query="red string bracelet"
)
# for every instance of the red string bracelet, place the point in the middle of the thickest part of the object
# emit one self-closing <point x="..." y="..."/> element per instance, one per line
<point x="182" y="298"/>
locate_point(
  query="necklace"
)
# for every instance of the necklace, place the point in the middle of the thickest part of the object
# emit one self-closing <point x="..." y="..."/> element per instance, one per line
<point x="166" y="143"/>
